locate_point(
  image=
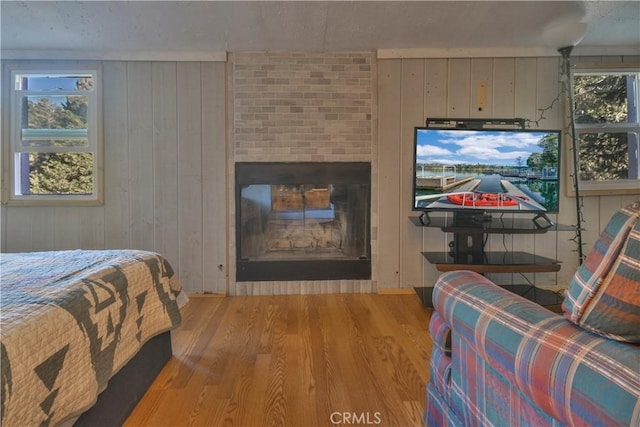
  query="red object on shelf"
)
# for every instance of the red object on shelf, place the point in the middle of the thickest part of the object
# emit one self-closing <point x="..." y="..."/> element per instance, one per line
<point x="484" y="199"/>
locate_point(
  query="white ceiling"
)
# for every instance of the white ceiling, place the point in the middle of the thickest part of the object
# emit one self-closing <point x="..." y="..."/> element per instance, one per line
<point x="317" y="25"/>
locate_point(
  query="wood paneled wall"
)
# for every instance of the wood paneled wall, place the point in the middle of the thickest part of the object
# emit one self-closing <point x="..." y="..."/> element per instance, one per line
<point x="165" y="167"/>
<point x="411" y="90"/>
<point x="164" y="174"/>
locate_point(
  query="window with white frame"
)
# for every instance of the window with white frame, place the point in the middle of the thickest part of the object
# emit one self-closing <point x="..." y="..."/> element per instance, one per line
<point x="607" y="123"/>
<point x="55" y="154"/>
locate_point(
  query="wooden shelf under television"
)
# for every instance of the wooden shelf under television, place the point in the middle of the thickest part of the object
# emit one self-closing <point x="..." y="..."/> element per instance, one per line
<point x="494" y="262"/>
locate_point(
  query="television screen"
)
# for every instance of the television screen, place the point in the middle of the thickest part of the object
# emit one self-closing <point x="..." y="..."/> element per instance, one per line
<point x="486" y="169"/>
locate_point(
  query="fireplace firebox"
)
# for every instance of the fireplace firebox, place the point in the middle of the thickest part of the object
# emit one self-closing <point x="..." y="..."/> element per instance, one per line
<point x="303" y="221"/>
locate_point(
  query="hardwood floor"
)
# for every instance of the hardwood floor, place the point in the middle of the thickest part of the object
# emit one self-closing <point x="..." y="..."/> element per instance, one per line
<point x="311" y="360"/>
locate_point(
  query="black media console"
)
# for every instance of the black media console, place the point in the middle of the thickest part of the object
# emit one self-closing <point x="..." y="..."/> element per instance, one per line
<point x="467" y="249"/>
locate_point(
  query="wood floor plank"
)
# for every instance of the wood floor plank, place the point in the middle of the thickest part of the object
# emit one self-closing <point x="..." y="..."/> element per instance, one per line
<point x="293" y="361"/>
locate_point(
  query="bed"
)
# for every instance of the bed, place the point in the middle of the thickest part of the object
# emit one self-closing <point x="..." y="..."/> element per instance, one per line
<point x="71" y="320"/>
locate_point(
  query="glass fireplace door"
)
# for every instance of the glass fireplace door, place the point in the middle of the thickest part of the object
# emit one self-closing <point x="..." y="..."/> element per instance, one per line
<point x="302" y="224"/>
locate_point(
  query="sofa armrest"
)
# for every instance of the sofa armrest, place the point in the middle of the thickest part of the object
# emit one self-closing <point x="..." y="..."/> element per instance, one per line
<point x="572" y="375"/>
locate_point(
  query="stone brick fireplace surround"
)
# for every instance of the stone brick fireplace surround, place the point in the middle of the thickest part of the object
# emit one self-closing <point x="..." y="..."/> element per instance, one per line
<point x="302" y="107"/>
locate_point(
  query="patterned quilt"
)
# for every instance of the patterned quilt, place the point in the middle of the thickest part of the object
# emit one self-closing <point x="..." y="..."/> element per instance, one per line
<point x="70" y="321"/>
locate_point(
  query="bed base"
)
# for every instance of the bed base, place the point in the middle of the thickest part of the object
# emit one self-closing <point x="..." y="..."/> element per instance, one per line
<point x="128" y="386"/>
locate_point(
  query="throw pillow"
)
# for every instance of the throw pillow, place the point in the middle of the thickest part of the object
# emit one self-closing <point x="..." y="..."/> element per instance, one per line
<point x="604" y="294"/>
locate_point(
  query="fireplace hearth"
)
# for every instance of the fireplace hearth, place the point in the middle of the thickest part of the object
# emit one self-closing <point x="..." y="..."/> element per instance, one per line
<point x="303" y="221"/>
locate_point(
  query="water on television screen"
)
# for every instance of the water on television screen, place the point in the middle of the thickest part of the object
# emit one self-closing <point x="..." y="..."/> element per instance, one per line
<point x="487" y="169"/>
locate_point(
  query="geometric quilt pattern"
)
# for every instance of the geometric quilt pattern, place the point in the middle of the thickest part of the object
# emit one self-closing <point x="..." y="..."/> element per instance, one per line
<point x="71" y="320"/>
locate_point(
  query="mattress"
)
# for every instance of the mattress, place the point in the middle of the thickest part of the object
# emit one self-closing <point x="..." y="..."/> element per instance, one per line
<point x="71" y="320"/>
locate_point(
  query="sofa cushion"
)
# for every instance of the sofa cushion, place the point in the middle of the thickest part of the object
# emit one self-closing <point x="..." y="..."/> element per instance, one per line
<point x="440" y="333"/>
<point x="604" y="294"/>
<point x="514" y="363"/>
<point x="440" y="363"/>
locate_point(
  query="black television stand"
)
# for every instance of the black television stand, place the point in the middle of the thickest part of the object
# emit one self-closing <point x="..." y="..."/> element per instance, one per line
<point x="467" y="249"/>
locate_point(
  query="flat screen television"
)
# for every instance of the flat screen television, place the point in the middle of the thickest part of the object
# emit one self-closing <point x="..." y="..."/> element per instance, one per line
<point x="489" y="170"/>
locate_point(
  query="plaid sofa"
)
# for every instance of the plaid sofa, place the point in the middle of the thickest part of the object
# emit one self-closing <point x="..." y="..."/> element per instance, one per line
<point x="501" y="360"/>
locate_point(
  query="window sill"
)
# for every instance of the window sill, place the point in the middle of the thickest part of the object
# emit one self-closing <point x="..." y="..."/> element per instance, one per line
<point x="53" y="202"/>
<point x="606" y="188"/>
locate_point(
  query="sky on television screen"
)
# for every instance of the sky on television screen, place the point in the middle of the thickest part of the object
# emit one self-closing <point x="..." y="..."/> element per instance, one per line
<point x="498" y="148"/>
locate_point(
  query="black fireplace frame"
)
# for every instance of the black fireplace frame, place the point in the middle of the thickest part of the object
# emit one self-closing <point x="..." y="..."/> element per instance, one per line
<point x="247" y="173"/>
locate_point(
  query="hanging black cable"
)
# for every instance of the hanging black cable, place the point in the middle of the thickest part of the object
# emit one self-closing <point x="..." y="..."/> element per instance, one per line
<point x="566" y="73"/>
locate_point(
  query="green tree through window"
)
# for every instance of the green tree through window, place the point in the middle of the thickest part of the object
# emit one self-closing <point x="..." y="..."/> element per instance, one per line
<point x="60" y="173"/>
<point x="55" y="135"/>
<point x="606" y="120"/>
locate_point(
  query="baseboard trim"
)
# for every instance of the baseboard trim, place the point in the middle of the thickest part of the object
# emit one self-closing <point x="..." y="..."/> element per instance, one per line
<point x="396" y="291"/>
<point x="205" y="295"/>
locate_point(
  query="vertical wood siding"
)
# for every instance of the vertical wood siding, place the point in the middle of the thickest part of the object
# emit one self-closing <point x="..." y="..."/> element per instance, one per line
<point x="388" y="175"/>
<point x="164" y="174"/>
<point x="411" y="90"/>
<point x="166" y="168"/>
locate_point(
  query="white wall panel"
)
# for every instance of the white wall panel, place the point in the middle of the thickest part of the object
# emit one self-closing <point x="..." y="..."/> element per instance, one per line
<point x="190" y="174"/>
<point x="214" y="160"/>
<point x="525" y="88"/>
<point x="165" y="157"/>
<point x="389" y="164"/>
<point x="503" y="88"/>
<point x="482" y="88"/>
<point x="435" y="88"/>
<point x="140" y="130"/>
<point x="116" y="158"/>
<point x="157" y="124"/>
<point x="19" y="229"/>
<point x="43" y="220"/>
<point x="165" y="152"/>
<point x="459" y="88"/>
<point x="515" y="88"/>
<point x="412" y="108"/>
<point x="3" y="228"/>
<point x="91" y="224"/>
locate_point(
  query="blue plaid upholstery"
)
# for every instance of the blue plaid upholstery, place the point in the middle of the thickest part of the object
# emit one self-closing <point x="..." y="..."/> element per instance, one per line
<point x="514" y="363"/>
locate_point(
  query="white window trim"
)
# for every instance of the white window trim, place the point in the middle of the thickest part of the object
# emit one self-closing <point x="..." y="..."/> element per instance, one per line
<point x="611" y="187"/>
<point x="11" y="135"/>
